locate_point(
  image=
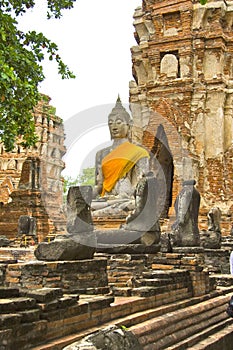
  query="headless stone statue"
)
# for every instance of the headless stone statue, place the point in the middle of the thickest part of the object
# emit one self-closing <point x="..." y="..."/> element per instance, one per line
<point x="212" y="237"/>
<point x="119" y="168"/>
<point x="185" y="229"/>
<point x="145" y="217"/>
<point x="79" y="243"/>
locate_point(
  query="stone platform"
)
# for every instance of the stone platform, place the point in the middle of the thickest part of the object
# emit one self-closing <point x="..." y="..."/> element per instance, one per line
<point x="80" y="276"/>
<point x="8" y="254"/>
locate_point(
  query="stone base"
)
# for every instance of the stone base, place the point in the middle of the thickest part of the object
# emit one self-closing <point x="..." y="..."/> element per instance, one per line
<point x="79" y="277"/>
<point x="67" y="247"/>
<point x="188" y="250"/>
<point x="15" y="254"/>
<point x="128" y="249"/>
<point x="123" y="237"/>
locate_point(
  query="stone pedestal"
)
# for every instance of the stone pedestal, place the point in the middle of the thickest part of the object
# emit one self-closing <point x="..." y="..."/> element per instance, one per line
<point x="80" y="276"/>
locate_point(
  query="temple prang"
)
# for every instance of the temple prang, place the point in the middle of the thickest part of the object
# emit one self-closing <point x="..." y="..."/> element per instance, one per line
<point x="30" y="179"/>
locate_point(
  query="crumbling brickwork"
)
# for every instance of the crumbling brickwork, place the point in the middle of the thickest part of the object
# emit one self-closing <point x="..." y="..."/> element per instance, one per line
<point x="30" y="179"/>
<point x="182" y="68"/>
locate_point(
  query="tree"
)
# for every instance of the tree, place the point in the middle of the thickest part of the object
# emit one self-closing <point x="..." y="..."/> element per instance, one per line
<point x="21" y="71"/>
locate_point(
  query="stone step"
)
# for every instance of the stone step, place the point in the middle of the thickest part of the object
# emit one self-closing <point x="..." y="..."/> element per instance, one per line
<point x="13" y="305"/>
<point x="129" y="312"/>
<point x="118" y="280"/>
<point x="165" y="341"/>
<point x="222" y="340"/>
<point x="160" y="282"/>
<point x="203" y="339"/>
<point x="174" y="327"/>
<point x="147" y="290"/>
<point x="166" y="274"/>
<point x="6" y="292"/>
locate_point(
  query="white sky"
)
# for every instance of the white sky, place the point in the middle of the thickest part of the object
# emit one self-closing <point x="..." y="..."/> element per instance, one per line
<point x="94" y="40"/>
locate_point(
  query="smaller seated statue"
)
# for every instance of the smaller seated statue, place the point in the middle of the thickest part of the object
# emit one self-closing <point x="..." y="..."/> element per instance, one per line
<point x="119" y="168"/>
<point x="211" y="238"/>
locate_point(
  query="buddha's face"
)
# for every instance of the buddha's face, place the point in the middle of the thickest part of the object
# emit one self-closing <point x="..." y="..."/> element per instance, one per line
<point x="118" y="127"/>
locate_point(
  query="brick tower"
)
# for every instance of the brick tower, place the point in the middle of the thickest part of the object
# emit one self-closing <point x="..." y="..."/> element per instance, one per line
<point x="30" y="179"/>
<point x="183" y="71"/>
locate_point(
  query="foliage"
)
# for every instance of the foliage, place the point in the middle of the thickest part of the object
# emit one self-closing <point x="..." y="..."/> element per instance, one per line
<point x="203" y="2"/>
<point x="21" y="71"/>
<point x="86" y="178"/>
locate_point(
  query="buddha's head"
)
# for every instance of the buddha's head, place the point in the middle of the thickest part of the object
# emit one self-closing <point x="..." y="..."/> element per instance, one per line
<point x="119" y="121"/>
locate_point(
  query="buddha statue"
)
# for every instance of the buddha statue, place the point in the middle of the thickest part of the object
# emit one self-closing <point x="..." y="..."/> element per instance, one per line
<point x="119" y="168"/>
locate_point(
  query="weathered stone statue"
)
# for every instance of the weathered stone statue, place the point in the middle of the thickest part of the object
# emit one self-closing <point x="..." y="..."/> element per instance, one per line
<point x="78" y="209"/>
<point x="27" y="225"/>
<point x="80" y="241"/>
<point x="145" y="216"/>
<point x="125" y="188"/>
<point x="185" y="229"/>
<point x="118" y="168"/>
<point x="212" y="237"/>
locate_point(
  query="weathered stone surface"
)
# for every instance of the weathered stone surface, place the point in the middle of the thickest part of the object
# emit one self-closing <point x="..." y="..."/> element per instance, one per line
<point x="109" y="338"/>
<point x="165" y="242"/>
<point x="185" y="229"/>
<point x="6" y="292"/>
<point x="117" y="236"/>
<point x="214" y="219"/>
<point x="43" y="295"/>
<point x="8" y="320"/>
<point x="4" y="241"/>
<point x="128" y="248"/>
<point x="73" y="277"/>
<point x="65" y="248"/>
<point x="16" y="304"/>
<point x="79" y="218"/>
<point x="28" y="316"/>
<point x="126" y="236"/>
<point x="145" y="217"/>
<point x="26" y="225"/>
<point x="212" y="237"/>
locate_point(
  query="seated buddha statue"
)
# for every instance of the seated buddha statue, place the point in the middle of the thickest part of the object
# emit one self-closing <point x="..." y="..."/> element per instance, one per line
<point x="119" y="168"/>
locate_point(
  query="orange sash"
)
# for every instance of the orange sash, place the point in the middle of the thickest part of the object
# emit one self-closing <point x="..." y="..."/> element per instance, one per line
<point x="119" y="162"/>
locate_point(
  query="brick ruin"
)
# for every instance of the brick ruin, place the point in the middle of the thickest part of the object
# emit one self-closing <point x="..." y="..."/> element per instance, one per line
<point x="30" y="179"/>
<point x="181" y="102"/>
<point x="163" y="299"/>
<point x="182" y="93"/>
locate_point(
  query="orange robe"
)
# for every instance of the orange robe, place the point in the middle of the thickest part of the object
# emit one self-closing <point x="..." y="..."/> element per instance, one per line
<point x="119" y="162"/>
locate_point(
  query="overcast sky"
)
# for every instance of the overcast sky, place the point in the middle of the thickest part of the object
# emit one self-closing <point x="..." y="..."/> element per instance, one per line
<point x="94" y="40"/>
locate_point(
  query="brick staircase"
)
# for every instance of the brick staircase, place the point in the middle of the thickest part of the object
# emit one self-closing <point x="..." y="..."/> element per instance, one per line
<point x="191" y="326"/>
<point x="192" y="323"/>
<point x="48" y="320"/>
